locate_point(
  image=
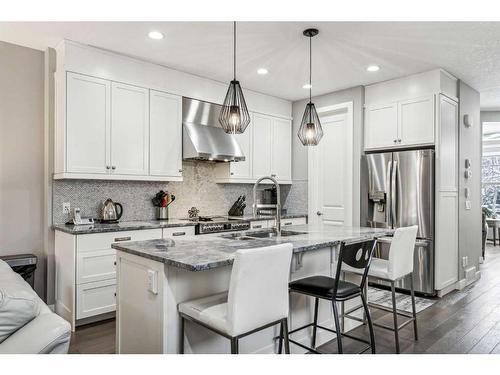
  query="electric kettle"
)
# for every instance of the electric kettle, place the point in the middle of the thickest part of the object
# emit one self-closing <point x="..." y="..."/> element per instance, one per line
<point x="111" y="211"/>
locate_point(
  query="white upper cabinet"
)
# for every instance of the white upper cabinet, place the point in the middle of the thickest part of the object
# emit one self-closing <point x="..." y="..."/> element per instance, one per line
<point x="88" y="116"/>
<point x="267" y="146"/>
<point x="129" y="130"/>
<point x="262" y="145"/>
<point x="381" y="125"/>
<point x="243" y="169"/>
<point x="416" y="121"/>
<point x="165" y="133"/>
<point x="402" y="112"/>
<point x="282" y="149"/>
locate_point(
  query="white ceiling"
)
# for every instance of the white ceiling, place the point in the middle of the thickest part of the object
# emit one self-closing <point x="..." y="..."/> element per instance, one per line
<point x="341" y="52"/>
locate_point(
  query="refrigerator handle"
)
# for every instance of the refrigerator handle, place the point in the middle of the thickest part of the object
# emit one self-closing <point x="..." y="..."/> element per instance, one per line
<point x="393" y="193"/>
<point x="389" y="196"/>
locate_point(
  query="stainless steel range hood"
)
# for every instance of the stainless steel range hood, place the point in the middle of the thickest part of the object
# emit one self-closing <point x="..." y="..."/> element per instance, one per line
<point x="202" y="136"/>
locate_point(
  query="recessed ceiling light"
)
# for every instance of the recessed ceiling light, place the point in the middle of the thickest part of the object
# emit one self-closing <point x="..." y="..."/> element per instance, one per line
<point x="155" y="35"/>
<point x="373" y="68"/>
<point x="262" y="71"/>
<point x="307" y="86"/>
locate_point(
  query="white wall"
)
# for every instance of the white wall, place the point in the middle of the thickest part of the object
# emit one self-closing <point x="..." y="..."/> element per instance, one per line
<point x="469" y="221"/>
<point x="299" y="152"/>
<point x="22" y="154"/>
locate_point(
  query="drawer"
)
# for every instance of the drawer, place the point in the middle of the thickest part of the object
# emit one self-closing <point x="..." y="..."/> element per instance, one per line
<point x="95" y="266"/>
<point x="96" y="241"/>
<point x="260" y="224"/>
<point x="295" y="221"/>
<point x="178" y="232"/>
<point x="95" y="298"/>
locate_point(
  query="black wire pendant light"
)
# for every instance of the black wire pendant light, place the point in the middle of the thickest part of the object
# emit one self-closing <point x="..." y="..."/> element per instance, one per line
<point x="234" y="117"/>
<point x="310" y="131"/>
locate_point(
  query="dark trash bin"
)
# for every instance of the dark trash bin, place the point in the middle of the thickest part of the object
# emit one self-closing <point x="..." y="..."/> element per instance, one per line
<point x="24" y="265"/>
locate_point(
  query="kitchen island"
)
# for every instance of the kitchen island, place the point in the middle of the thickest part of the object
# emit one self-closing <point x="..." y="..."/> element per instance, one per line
<point x="154" y="276"/>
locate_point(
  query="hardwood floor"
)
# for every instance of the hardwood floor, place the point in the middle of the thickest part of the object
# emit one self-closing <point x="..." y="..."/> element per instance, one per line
<point x="466" y="321"/>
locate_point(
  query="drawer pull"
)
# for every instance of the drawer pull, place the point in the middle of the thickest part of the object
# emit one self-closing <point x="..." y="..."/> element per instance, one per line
<point x="289" y="223"/>
<point x="179" y="234"/>
<point x="257" y="226"/>
<point x="121" y="239"/>
<point x="115" y="294"/>
<point x="114" y="263"/>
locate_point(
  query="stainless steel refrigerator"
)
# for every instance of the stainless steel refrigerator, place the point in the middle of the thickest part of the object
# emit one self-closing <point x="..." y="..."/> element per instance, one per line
<point x="398" y="191"/>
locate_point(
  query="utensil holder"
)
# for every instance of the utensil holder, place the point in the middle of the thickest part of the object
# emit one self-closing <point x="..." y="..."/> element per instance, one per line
<point x="161" y="213"/>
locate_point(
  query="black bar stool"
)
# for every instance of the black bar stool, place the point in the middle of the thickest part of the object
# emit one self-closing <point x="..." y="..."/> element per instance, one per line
<point x="356" y="255"/>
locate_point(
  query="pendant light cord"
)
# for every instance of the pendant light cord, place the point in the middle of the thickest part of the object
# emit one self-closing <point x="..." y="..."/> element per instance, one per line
<point x="310" y="69"/>
<point x="234" y="51"/>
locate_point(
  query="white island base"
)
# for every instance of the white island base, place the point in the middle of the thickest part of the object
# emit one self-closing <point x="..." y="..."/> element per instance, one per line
<point x="149" y="291"/>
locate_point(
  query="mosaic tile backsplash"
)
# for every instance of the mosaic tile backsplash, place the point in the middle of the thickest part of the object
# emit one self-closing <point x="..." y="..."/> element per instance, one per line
<point x="198" y="189"/>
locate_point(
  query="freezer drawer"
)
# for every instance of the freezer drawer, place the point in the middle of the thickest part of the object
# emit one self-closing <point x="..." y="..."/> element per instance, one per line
<point x="423" y="266"/>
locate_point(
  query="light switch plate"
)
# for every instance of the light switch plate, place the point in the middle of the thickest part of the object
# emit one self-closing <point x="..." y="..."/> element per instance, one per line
<point x="153" y="281"/>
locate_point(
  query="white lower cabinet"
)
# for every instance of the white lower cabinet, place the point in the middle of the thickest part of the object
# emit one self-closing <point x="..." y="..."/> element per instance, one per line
<point x="95" y="298"/>
<point x="86" y="270"/>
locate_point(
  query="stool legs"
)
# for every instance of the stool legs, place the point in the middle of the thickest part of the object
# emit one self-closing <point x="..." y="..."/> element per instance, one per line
<point x="284" y="327"/>
<point x="181" y="337"/>
<point x="234" y="346"/>
<point x="337" y="327"/>
<point x="313" y="341"/>
<point x="369" y="321"/>
<point x="395" y="316"/>
<point x="414" y="310"/>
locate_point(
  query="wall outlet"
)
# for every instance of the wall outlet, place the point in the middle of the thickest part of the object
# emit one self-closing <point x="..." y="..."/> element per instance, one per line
<point x="66" y="208"/>
<point x="465" y="261"/>
<point x="153" y="281"/>
<point x="468" y="205"/>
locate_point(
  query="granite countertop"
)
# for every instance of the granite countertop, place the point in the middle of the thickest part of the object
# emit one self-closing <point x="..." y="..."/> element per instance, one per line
<point x="199" y="253"/>
<point x="151" y="224"/>
<point x="123" y="225"/>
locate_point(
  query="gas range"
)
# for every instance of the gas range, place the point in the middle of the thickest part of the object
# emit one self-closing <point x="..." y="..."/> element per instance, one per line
<point x="218" y="224"/>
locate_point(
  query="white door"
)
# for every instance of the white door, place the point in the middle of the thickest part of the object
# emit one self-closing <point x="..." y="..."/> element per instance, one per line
<point x="381" y="126"/>
<point x="87" y="124"/>
<point x="262" y="145"/>
<point x="243" y="169"/>
<point x="282" y="150"/>
<point x="129" y="129"/>
<point x="416" y="121"/>
<point x="330" y="173"/>
<point x="165" y="127"/>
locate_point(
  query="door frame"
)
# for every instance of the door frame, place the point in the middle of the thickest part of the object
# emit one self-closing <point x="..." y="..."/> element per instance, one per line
<point x="324" y="112"/>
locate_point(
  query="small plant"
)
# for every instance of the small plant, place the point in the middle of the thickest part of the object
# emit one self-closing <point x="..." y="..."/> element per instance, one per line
<point x="488" y="212"/>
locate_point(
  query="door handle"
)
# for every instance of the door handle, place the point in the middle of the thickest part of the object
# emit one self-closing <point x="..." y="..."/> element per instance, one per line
<point x="319" y="213"/>
<point x="393" y="191"/>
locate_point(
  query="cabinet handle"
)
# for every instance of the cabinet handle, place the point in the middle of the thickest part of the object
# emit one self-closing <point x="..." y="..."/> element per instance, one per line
<point x="257" y="226"/>
<point x="115" y="294"/>
<point x="108" y="167"/>
<point x="121" y="239"/>
<point x="180" y="170"/>
<point x="113" y="167"/>
<point x="179" y="234"/>
<point x="273" y="175"/>
<point x="232" y="173"/>
<point x="289" y="223"/>
<point x="395" y="141"/>
<point x="399" y="140"/>
<point x="114" y="263"/>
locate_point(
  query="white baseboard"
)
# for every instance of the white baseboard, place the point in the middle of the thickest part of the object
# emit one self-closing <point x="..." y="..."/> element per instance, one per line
<point x="466" y="282"/>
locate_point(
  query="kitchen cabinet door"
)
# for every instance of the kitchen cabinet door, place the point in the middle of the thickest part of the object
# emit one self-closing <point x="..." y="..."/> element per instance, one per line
<point x="88" y="103"/>
<point x="243" y="169"/>
<point x="129" y="130"/>
<point x="165" y="127"/>
<point x="416" y="121"/>
<point x="262" y="145"/>
<point x="381" y="126"/>
<point x="282" y="150"/>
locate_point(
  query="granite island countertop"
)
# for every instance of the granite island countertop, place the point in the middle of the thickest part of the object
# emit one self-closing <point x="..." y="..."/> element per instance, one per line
<point x="151" y="224"/>
<point x="202" y="252"/>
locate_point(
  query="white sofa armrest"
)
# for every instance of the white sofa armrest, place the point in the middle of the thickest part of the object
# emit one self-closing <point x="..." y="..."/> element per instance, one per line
<point x="47" y="333"/>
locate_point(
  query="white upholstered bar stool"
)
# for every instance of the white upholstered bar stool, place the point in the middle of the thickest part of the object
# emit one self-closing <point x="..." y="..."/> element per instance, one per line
<point x="398" y="266"/>
<point x="257" y="297"/>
